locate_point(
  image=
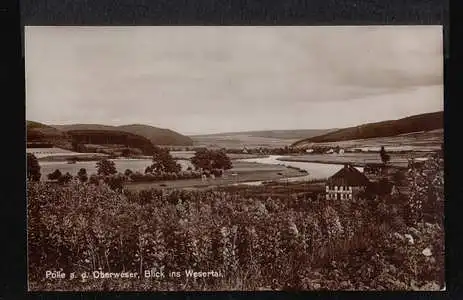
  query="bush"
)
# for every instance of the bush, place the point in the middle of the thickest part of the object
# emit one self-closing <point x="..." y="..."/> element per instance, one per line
<point x="426" y="184"/>
<point x="149" y="177"/>
<point x="115" y="182"/>
<point x="94" y="179"/>
<point x="128" y="172"/>
<point x="65" y="179"/>
<point x="56" y="175"/>
<point x="33" y="168"/>
<point x="82" y="175"/>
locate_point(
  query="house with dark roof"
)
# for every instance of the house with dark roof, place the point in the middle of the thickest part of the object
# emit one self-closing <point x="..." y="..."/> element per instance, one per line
<point x="346" y="183"/>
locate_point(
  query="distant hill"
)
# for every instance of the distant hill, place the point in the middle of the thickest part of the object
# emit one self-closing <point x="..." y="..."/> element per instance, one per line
<point x="290" y="134"/>
<point x="158" y="136"/>
<point x="416" y="123"/>
<point x="262" y="138"/>
<point x="272" y="134"/>
<point x="38" y="133"/>
<point x="111" y="137"/>
<point x="84" y="127"/>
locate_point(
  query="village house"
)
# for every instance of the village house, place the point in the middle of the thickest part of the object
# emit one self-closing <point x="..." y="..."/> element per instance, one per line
<point x="346" y="183"/>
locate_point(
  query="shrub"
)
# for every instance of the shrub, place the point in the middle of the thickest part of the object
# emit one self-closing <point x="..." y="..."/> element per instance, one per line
<point x="65" y="179"/>
<point x="82" y="175"/>
<point x="33" y="168"/>
<point x="94" y="179"/>
<point x="150" y="177"/>
<point x="128" y="172"/>
<point x="55" y="175"/>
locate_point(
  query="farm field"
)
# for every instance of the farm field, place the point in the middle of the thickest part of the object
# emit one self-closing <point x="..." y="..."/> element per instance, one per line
<point x="240" y="140"/>
<point x="55" y="154"/>
<point x="245" y="169"/>
<point x="415" y="141"/>
<point x="356" y="159"/>
<point x="121" y="165"/>
<point x="246" y="172"/>
<point x="232" y="156"/>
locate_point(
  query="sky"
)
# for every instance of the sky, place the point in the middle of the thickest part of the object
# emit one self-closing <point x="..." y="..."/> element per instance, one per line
<point x="200" y="80"/>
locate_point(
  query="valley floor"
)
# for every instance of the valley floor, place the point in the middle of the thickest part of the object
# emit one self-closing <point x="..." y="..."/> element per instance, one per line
<point x="356" y="159"/>
<point x="246" y="172"/>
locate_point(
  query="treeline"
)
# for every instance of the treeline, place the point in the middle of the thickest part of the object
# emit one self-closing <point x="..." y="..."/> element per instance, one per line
<point x="109" y="137"/>
<point x="283" y="150"/>
<point x="207" y="163"/>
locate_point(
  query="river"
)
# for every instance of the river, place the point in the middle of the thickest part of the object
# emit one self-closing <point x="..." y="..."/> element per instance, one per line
<point x="315" y="170"/>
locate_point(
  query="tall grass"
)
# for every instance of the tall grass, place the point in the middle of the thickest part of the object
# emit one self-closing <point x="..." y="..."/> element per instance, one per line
<point x="297" y="242"/>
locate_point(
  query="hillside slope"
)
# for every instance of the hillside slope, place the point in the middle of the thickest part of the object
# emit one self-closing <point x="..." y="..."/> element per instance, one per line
<point x="262" y="138"/>
<point x="111" y="137"/>
<point x="157" y="136"/>
<point x="40" y="133"/>
<point x="273" y="134"/>
<point x="416" y="123"/>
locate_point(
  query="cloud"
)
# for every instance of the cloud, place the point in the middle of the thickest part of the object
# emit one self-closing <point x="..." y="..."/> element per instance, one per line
<point x="185" y="77"/>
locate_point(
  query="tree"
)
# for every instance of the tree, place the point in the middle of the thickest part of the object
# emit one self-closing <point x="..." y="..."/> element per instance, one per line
<point x="163" y="162"/>
<point x="115" y="182"/>
<point x="209" y="160"/>
<point x="82" y="175"/>
<point x="148" y="170"/>
<point x="75" y="145"/>
<point x="94" y="179"/>
<point x="384" y="156"/>
<point x="399" y="177"/>
<point x="221" y="160"/>
<point x="66" y="178"/>
<point x="426" y="185"/>
<point x="56" y="175"/>
<point x="125" y="152"/>
<point x="128" y="172"/>
<point x="106" y="167"/>
<point x="33" y="168"/>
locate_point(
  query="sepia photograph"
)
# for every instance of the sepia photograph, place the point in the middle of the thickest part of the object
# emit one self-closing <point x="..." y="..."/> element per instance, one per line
<point x="235" y="158"/>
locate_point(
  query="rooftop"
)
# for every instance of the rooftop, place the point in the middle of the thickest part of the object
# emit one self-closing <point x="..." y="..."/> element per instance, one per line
<point x="348" y="176"/>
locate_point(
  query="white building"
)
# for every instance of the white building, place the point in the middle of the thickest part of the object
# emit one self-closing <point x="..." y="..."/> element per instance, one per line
<point x="345" y="184"/>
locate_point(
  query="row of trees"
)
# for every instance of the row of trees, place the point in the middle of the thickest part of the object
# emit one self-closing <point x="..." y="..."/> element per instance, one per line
<point x="204" y="160"/>
<point x="163" y="167"/>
